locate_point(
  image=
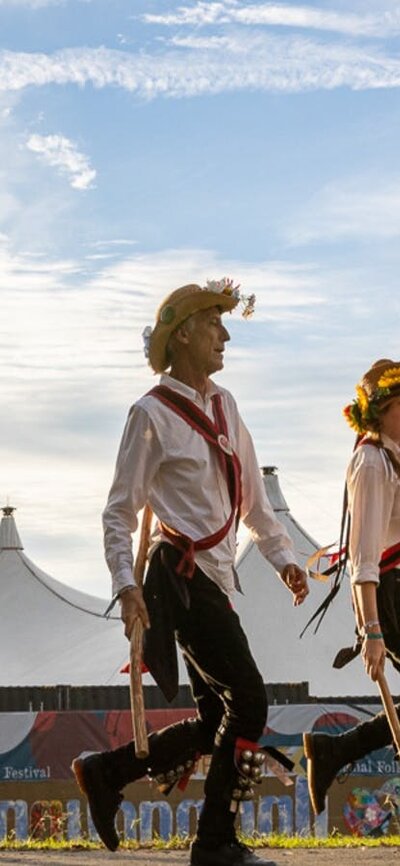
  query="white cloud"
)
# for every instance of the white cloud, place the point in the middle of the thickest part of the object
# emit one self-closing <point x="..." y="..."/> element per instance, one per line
<point x="209" y="43"/>
<point x="267" y="63"/>
<point x="357" y="208"/>
<point x="123" y="242"/>
<point x="60" y="152"/>
<point x="280" y="14"/>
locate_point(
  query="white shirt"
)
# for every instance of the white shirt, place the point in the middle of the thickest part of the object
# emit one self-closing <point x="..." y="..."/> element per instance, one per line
<point x="374" y="502"/>
<point x="163" y="461"/>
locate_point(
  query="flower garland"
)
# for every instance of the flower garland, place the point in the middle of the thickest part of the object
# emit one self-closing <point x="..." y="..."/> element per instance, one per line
<point x="364" y="410"/>
<point x="225" y="286"/>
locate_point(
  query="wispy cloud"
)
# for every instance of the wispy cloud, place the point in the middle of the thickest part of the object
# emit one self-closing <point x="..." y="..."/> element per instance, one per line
<point x="279" y="15"/>
<point x="267" y="63"/>
<point x="122" y="242"/>
<point x="35" y="4"/>
<point x="63" y="154"/>
<point x="357" y="208"/>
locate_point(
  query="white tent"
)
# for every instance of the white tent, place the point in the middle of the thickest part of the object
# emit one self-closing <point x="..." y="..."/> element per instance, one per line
<point x="273" y="625"/>
<point x="50" y="633"/>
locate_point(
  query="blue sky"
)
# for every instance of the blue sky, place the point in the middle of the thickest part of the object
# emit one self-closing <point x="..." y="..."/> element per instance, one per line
<point x="151" y="143"/>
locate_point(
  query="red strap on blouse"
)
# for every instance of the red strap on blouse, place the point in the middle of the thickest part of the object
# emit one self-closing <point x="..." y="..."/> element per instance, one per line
<point x="216" y="434"/>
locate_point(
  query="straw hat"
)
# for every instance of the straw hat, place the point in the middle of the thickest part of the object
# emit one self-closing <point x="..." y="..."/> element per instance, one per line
<point x="178" y="306"/>
<point x="375" y="390"/>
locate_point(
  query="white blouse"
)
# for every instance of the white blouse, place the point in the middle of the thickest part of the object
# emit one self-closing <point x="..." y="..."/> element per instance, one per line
<point x="164" y="461"/>
<point x="374" y="502"/>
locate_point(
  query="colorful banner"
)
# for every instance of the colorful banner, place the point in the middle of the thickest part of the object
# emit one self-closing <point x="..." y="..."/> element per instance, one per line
<point x="38" y="795"/>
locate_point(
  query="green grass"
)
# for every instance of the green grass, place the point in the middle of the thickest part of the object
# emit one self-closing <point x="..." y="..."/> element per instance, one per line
<point x="176" y="843"/>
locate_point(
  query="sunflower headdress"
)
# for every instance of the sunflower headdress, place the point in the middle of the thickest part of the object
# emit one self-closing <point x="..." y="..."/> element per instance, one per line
<point x="377" y="387"/>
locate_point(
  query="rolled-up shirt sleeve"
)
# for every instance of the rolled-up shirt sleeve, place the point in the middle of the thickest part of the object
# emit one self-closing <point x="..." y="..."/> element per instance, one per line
<point x="370" y="502"/>
<point x="138" y="460"/>
<point x="271" y="537"/>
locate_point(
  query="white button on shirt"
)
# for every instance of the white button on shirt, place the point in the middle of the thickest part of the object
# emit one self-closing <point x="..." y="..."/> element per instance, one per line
<point x="374" y="502"/>
<point x="163" y="461"/>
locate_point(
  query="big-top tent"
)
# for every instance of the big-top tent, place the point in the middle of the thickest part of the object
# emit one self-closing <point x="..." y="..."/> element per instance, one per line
<point x="51" y="634"/>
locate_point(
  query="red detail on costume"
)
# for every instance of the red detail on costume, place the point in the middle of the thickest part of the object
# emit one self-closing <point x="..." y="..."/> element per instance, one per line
<point x="243" y="744"/>
<point x="392" y="554"/>
<point x="184" y="780"/>
<point x="334" y="557"/>
<point x="230" y="466"/>
<point x="126" y="669"/>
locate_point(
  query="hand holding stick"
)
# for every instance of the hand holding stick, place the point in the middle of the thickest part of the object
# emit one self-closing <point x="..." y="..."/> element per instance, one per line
<point x="136" y="686"/>
<point x="386" y="697"/>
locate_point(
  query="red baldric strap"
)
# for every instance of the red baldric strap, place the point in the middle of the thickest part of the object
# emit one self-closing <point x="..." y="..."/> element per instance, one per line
<point x="390" y="558"/>
<point x="216" y="435"/>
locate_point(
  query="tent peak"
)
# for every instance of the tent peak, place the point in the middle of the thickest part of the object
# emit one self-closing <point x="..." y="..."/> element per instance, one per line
<point x="269" y="470"/>
<point x="9" y="537"/>
<point x="273" y="488"/>
<point x="8" y="510"/>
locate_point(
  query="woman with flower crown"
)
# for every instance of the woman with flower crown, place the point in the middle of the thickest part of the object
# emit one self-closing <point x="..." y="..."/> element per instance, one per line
<point x="186" y="452"/>
<point x="373" y="551"/>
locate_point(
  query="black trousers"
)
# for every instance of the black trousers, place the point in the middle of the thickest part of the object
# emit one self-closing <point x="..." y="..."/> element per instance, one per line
<point x="227" y="688"/>
<point x="388" y="600"/>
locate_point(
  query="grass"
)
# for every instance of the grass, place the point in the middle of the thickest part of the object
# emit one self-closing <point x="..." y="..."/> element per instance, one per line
<point x="176" y="843"/>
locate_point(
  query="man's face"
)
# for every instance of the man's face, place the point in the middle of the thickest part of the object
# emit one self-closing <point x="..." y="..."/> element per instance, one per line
<point x="206" y="338"/>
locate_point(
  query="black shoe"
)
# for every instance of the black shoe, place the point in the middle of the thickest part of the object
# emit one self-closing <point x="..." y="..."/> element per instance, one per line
<point x="104" y="801"/>
<point x="323" y="764"/>
<point x="230" y="854"/>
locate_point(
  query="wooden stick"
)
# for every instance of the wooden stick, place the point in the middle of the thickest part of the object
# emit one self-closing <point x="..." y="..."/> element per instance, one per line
<point x="136" y="686"/>
<point x="390" y="710"/>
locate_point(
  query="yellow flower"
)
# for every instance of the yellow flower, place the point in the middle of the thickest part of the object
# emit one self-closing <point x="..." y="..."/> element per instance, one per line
<point x="390" y="378"/>
<point x="353" y="417"/>
<point x="362" y="400"/>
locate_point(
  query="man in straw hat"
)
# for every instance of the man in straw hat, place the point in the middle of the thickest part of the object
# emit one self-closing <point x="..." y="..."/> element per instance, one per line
<point x="373" y="547"/>
<point x="186" y="451"/>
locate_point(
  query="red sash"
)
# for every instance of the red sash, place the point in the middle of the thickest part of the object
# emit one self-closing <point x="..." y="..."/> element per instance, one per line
<point x="216" y="435"/>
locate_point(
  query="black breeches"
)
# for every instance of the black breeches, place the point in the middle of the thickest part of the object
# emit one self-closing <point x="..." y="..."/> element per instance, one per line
<point x="226" y="683"/>
<point x="227" y="687"/>
<point x="388" y="599"/>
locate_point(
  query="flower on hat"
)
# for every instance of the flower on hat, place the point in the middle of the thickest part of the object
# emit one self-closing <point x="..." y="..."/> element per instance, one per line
<point x="224" y="286"/>
<point x="389" y="378"/>
<point x="146" y="334"/>
<point x="352" y="413"/>
<point x="362" y="399"/>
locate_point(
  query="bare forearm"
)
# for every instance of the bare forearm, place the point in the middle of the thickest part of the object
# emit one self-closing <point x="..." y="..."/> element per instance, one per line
<point x="366" y="610"/>
<point x="366" y="607"/>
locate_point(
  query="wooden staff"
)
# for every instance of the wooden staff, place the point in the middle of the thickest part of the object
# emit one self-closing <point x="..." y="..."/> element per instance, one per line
<point x="136" y="686"/>
<point x="389" y="708"/>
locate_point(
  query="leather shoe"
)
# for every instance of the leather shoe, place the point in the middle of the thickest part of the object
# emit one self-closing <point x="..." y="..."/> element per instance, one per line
<point x="230" y="854"/>
<point x="104" y="801"/>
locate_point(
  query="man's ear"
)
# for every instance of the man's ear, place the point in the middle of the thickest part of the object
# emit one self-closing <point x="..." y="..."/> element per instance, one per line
<point x="181" y="334"/>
